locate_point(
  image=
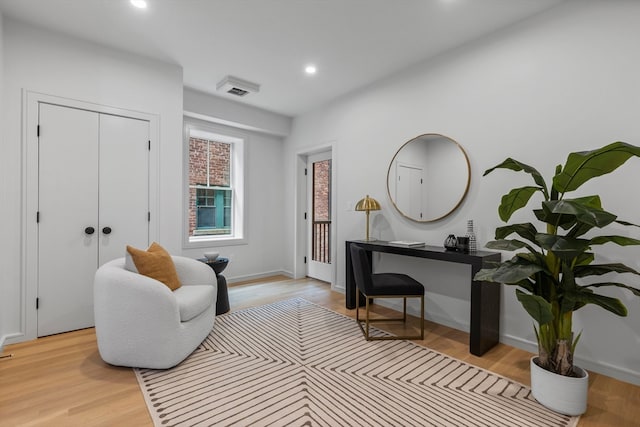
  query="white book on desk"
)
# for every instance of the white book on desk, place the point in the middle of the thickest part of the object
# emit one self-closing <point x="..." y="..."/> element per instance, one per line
<point x="407" y="243"/>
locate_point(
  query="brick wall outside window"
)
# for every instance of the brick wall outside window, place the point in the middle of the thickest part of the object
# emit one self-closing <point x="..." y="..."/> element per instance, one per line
<point x="321" y="211"/>
<point x="219" y="170"/>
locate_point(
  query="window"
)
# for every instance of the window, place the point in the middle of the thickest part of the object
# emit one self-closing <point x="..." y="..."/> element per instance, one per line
<point x="215" y="191"/>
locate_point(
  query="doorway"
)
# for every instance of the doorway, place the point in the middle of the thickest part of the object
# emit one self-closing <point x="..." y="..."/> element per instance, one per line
<point x="319" y="216"/>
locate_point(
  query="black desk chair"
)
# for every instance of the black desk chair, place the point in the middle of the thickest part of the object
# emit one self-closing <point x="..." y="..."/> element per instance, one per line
<point x="384" y="285"/>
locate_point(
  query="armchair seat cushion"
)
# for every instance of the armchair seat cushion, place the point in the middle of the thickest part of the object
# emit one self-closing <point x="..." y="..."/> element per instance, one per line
<point x="193" y="300"/>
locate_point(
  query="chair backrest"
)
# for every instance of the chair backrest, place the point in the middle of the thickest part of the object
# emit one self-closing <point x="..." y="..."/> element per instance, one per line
<point x="361" y="269"/>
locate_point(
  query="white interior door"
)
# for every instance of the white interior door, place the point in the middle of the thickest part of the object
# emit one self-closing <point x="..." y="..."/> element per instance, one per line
<point x="123" y="186"/>
<point x="93" y="200"/>
<point x="409" y="190"/>
<point x="67" y="206"/>
<point x="319" y="188"/>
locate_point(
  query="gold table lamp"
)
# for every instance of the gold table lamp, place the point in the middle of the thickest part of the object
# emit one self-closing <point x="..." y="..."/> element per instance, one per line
<point x="368" y="204"/>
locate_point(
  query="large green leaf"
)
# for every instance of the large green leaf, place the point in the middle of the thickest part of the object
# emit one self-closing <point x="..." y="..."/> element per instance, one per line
<point x="583" y="210"/>
<point x="537" y="307"/>
<point x="563" y="247"/>
<point x="526" y="231"/>
<point x="635" y="291"/>
<point x="582" y="166"/>
<point x="618" y="240"/>
<point x="557" y="220"/>
<point x="613" y="305"/>
<point x="514" y="200"/>
<point x="627" y="223"/>
<point x="600" y="269"/>
<point x="517" y="166"/>
<point x="509" y="272"/>
<point x="579" y="229"/>
<point x="508" y="245"/>
<point x="585" y="258"/>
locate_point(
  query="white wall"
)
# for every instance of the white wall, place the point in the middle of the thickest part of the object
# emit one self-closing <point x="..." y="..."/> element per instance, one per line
<point x="262" y="254"/>
<point x="3" y="280"/>
<point x="235" y="114"/>
<point x="54" y="64"/>
<point x="563" y="81"/>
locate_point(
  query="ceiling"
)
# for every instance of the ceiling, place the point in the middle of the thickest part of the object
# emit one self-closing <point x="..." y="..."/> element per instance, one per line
<point x="352" y="42"/>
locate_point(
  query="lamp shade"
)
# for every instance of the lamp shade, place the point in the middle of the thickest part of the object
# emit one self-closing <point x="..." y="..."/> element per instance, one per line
<point x="368" y="204"/>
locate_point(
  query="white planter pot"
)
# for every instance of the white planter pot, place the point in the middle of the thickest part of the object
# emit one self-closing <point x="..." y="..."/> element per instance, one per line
<point x="566" y="395"/>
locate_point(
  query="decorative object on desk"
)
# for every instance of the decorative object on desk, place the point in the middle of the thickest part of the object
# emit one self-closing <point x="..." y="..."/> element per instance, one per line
<point x="451" y="243"/>
<point x="472" y="236"/>
<point x="408" y="243"/>
<point x="549" y="273"/>
<point x="463" y="244"/>
<point x="211" y="256"/>
<point x="368" y="204"/>
<point x="228" y="381"/>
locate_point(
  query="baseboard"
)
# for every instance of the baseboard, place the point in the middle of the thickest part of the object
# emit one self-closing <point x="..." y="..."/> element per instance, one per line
<point x="256" y="276"/>
<point x="11" y="339"/>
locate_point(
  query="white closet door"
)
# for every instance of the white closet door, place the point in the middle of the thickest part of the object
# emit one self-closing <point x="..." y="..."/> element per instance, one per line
<point x="93" y="201"/>
<point x="68" y="197"/>
<point x="124" y="185"/>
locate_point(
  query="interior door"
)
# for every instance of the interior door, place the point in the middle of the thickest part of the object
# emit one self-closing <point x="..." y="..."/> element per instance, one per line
<point x="124" y="186"/>
<point x="319" y="188"/>
<point x="93" y="200"/>
<point x="67" y="210"/>
<point x="409" y="190"/>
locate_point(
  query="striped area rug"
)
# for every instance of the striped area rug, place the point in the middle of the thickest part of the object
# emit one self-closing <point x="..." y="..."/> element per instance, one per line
<point x="294" y="363"/>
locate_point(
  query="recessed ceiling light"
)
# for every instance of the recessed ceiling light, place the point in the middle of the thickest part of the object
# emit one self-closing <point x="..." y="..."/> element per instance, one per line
<point x="310" y="69"/>
<point x="140" y="4"/>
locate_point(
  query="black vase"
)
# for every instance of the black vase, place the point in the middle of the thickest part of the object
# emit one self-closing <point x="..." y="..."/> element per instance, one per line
<point x="450" y="243"/>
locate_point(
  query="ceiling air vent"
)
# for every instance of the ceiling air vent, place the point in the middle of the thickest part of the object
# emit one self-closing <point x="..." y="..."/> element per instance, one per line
<point x="236" y="86"/>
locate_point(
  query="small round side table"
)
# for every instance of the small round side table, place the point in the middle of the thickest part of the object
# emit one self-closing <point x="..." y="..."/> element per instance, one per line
<point x="218" y="266"/>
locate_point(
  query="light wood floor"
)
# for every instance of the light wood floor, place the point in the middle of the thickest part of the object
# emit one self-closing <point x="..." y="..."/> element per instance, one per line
<point x="61" y="380"/>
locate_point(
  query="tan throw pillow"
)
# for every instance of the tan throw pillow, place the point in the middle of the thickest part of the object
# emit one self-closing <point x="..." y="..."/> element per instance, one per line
<point x="156" y="263"/>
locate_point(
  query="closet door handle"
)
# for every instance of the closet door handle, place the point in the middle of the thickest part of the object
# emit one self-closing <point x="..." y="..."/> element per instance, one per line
<point x="89" y="230"/>
<point x="106" y="230"/>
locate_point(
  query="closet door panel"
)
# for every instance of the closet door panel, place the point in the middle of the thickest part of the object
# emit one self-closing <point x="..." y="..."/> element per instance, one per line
<point x="123" y="185"/>
<point x="68" y="196"/>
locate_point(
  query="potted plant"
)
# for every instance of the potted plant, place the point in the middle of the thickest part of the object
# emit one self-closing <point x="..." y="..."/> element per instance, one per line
<point x="551" y="265"/>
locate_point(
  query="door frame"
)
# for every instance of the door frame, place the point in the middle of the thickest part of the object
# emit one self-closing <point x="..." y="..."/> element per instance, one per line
<point x="328" y="268"/>
<point x="29" y="191"/>
<point x="301" y="230"/>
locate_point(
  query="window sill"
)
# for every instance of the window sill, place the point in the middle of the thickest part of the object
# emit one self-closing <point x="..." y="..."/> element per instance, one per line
<point x="204" y="242"/>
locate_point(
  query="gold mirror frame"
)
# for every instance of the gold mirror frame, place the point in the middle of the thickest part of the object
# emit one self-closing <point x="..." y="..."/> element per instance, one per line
<point x="456" y="161"/>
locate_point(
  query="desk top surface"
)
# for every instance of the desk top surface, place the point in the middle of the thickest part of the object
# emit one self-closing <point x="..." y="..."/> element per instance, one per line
<point x="432" y="252"/>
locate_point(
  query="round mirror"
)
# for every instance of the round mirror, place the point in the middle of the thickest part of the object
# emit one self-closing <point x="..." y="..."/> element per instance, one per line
<point x="428" y="177"/>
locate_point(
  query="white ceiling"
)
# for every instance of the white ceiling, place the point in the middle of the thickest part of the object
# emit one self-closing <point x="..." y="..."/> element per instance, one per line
<point x="352" y="42"/>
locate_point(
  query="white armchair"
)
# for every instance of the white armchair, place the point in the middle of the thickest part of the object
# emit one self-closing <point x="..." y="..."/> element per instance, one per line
<point x="141" y="323"/>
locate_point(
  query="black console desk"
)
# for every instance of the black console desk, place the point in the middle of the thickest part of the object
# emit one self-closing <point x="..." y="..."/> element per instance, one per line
<point x="485" y="296"/>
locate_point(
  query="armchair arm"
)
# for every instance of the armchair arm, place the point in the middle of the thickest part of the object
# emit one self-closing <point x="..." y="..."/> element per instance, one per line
<point x="194" y="272"/>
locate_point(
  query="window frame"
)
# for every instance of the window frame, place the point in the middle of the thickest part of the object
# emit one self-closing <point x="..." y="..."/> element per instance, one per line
<point x="238" y="141"/>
